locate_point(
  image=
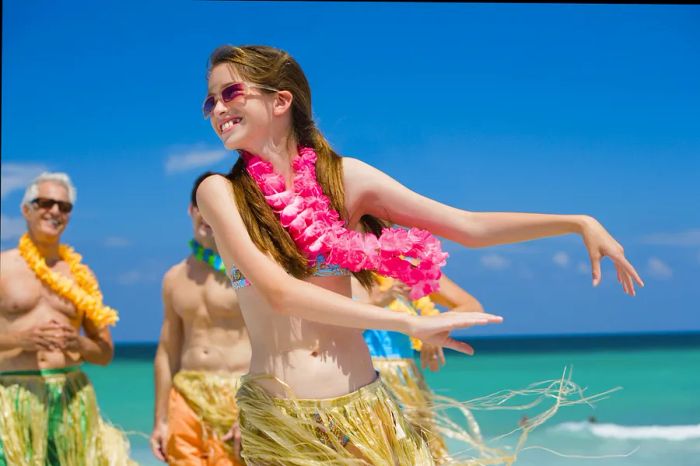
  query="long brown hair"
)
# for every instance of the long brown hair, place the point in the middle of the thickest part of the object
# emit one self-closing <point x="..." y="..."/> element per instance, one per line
<point x="275" y="68"/>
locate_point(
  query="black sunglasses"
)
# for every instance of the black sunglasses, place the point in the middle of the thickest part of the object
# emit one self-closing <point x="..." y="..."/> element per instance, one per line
<point x="45" y="203"/>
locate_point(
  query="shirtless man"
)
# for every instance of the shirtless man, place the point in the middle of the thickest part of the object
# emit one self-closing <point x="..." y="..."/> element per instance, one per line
<point x="203" y="350"/>
<point x="41" y="347"/>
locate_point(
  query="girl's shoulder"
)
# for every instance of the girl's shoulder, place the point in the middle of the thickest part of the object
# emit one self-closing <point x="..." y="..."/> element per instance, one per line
<point x="354" y="165"/>
<point x="213" y="184"/>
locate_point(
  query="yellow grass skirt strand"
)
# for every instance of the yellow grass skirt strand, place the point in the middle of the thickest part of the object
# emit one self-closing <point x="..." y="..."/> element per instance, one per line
<point x="51" y="417"/>
<point x="365" y="427"/>
<point x="406" y="382"/>
<point x="212" y="396"/>
<point x="548" y="396"/>
<point x="428" y="412"/>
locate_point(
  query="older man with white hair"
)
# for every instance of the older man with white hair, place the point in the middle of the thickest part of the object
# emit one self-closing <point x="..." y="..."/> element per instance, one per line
<point x="48" y="409"/>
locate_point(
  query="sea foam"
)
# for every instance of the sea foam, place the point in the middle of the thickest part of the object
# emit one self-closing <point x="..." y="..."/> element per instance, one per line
<point x="620" y="432"/>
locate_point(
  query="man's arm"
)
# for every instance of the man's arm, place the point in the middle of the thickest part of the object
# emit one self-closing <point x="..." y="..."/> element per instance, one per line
<point x="96" y="345"/>
<point x="455" y="298"/>
<point x="166" y="365"/>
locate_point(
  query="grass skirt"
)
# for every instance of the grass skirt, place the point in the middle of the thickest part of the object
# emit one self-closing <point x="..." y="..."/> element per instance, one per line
<point x="365" y="427"/>
<point x="406" y="382"/>
<point x="210" y="402"/>
<point x="51" y="417"/>
<point x="428" y="411"/>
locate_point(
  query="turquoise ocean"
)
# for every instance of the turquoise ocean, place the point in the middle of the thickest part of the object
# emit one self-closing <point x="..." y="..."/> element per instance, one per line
<point x="653" y="419"/>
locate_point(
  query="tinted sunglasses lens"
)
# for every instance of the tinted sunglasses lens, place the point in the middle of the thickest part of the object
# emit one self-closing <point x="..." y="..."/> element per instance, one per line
<point x="231" y="92"/>
<point x="47" y="204"/>
<point x="208" y="106"/>
<point x="65" y="207"/>
<point x="44" y="203"/>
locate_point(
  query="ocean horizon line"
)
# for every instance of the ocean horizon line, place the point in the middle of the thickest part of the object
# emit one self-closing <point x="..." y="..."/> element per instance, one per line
<point x="516" y="343"/>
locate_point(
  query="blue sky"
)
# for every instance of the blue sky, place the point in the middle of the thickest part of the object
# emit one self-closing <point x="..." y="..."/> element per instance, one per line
<point x="535" y="108"/>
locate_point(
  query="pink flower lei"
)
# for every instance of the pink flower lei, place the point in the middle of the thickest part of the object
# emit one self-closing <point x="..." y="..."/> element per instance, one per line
<point x="316" y="228"/>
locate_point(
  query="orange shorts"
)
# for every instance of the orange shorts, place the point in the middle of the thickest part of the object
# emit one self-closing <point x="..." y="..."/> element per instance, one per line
<point x="190" y="443"/>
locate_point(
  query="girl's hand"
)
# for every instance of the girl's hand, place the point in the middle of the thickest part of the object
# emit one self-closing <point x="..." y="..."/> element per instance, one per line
<point x="599" y="244"/>
<point x="435" y="330"/>
<point x="432" y="356"/>
<point x="383" y="298"/>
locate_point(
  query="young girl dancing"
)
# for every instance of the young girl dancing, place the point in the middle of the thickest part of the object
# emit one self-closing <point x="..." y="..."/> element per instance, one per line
<point x="292" y="220"/>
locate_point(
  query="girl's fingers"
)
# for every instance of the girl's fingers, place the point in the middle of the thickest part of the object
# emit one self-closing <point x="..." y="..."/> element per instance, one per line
<point x="483" y="316"/>
<point x="460" y="346"/>
<point x="625" y="277"/>
<point x="469" y="319"/>
<point x="621" y="278"/>
<point x="595" y="269"/>
<point x="631" y="271"/>
<point x="630" y="283"/>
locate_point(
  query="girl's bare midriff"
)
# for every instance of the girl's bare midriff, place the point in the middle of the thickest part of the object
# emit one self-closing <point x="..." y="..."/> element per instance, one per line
<point x="315" y="361"/>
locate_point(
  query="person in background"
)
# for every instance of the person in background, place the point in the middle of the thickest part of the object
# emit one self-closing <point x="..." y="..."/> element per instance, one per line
<point x="48" y="408"/>
<point x="202" y="352"/>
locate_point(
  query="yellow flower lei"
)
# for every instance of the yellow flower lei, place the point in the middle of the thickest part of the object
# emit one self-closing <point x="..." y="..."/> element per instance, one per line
<point x="425" y="305"/>
<point x="84" y="292"/>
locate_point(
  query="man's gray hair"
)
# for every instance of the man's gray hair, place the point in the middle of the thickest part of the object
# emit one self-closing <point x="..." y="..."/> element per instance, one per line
<point x="32" y="191"/>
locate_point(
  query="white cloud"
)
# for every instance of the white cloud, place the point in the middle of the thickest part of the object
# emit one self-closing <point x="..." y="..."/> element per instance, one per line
<point x="11" y="227"/>
<point x="583" y="268"/>
<point x="14" y="176"/>
<point x="116" y="242"/>
<point x="659" y="269"/>
<point x="495" y="262"/>
<point x="182" y="160"/>
<point x="682" y="238"/>
<point x="561" y="259"/>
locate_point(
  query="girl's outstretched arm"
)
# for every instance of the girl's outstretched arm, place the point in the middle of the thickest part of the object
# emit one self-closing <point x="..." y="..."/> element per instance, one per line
<point x="375" y="193"/>
<point x="289" y="295"/>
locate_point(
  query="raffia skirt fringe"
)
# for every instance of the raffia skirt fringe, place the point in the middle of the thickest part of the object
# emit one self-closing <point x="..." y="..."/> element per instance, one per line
<point x="51" y="417"/>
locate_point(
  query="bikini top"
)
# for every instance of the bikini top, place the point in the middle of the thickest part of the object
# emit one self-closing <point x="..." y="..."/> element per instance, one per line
<point x="322" y="269"/>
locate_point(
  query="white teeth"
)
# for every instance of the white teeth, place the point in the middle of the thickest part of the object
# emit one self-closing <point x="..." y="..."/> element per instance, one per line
<point x="226" y="126"/>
